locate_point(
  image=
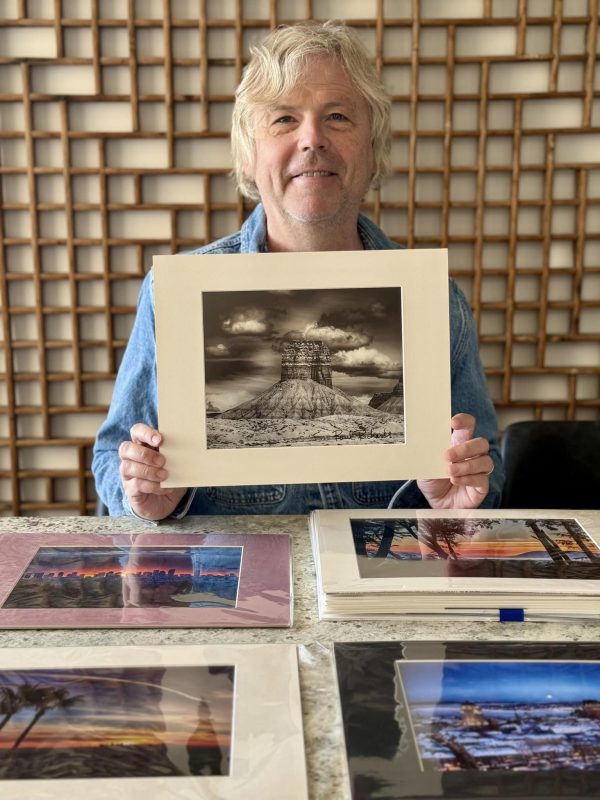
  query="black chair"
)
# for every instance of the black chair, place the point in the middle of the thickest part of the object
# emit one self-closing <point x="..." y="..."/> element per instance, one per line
<point x="552" y="464"/>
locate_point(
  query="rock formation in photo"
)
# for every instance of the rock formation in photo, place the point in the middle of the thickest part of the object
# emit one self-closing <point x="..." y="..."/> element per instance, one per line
<point x="390" y="402"/>
<point x="305" y="390"/>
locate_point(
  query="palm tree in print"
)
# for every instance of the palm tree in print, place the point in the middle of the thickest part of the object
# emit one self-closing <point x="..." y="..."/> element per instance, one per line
<point x="10" y="702"/>
<point x="43" y="699"/>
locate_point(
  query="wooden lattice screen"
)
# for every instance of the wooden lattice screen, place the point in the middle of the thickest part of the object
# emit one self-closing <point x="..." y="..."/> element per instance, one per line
<point x="114" y="147"/>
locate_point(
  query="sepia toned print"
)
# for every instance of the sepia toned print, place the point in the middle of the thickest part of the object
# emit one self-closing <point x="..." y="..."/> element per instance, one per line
<point x="303" y="367"/>
<point x="118" y="722"/>
<point x="245" y="352"/>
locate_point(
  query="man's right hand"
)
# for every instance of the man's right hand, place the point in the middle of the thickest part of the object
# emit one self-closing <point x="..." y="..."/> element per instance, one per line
<point x="142" y="469"/>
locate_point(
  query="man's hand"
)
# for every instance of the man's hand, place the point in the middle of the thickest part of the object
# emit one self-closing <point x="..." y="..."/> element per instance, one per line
<point x="469" y="469"/>
<point x="142" y="469"/>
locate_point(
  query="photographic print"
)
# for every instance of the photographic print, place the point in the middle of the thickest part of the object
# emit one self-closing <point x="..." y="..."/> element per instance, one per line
<point x="479" y="564"/>
<point x="152" y="722"/>
<point x="101" y="577"/>
<point x="471" y="719"/>
<point x="476" y="547"/>
<point x="303" y="367"/>
<point x="116" y="723"/>
<point x="101" y="580"/>
<point x="533" y="716"/>
<point x="300" y="365"/>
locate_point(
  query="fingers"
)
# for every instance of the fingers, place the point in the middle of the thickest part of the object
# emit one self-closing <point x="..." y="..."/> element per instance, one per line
<point x="463" y="426"/>
<point x="143" y="434"/>
<point x="142" y="467"/>
<point x="469" y="462"/>
<point x="462" y="472"/>
<point x="141" y="462"/>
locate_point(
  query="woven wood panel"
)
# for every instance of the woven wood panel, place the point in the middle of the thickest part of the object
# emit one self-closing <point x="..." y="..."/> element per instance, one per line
<point x="114" y="147"/>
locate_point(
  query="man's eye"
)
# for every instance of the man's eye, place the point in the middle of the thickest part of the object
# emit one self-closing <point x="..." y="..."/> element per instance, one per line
<point x="337" y="116"/>
<point x="286" y="118"/>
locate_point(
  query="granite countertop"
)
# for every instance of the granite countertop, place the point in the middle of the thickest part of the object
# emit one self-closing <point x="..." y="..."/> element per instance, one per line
<point x="322" y="723"/>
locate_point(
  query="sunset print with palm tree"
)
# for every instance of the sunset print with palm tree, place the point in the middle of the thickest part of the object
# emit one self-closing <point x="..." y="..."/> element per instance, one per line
<point x="121" y="722"/>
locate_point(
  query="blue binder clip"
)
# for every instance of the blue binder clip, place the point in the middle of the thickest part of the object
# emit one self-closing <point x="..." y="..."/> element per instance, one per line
<point x="511" y="615"/>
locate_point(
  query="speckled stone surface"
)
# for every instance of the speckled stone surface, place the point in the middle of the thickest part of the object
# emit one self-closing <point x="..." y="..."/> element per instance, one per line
<point x="322" y="720"/>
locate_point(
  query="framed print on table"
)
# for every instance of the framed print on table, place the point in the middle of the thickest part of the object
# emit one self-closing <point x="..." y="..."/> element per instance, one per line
<point x="471" y="719"/>
<point x="88" y="580"/>
<point x="480" y="563"/>
<point x="303" y="367"/>
<point x="155" y="722"/>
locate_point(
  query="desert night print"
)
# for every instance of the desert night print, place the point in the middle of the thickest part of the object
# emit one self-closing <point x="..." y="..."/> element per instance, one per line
<point x="129" y="576"/>
<point x="510" y="548"/>
<point x="528" y="716"/>
<point x="303" y="367"/>
<point x="118" y="722"/>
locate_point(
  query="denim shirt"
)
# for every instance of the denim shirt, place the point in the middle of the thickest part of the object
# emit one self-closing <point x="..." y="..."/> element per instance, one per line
<point x="135" y="400"/>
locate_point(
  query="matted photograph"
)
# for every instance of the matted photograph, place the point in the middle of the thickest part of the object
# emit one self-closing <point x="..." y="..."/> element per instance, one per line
<point x="475" y="547"/>
<point x="127" y="722"/>
<point x="293" y="358"/>
<point x="471" y="719"/>
<point x="143" y="580"/>
<point x="526" y="715"/>
<point x="480" y="563"/>
<point x="198" y="721"/>
<point x="303" y="367"/>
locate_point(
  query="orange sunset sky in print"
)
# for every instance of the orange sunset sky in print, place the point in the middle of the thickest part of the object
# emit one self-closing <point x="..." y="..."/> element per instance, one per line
<point x="173" y="706"/>
<point x="508" y="539"/>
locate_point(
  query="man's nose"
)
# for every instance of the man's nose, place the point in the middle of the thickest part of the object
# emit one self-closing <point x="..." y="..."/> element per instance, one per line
<point x="312" y="135"/>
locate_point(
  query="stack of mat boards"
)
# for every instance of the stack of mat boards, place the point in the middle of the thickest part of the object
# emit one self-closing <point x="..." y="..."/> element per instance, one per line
<point x="482" y="564"/>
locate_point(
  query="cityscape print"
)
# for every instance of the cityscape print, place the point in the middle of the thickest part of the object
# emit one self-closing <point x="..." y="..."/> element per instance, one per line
<point x="527" y="716"/>
<point x="428" y="547"/>
<point x="117" y="722"/>
<point x="129" y="576"/>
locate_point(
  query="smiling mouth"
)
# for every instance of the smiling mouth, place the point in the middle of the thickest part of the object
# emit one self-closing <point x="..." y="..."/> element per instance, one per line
<point x="314" y="174"/>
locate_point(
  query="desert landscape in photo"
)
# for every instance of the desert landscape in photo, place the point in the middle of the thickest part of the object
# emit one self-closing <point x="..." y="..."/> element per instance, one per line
<point x="303" y="367"/>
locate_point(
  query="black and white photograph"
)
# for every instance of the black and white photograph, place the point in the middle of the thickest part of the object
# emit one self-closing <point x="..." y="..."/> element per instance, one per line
<point x="303" y="367"/>
<point x="296" y="367"/>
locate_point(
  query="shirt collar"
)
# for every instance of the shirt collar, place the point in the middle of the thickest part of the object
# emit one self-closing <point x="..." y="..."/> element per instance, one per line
<point x="254" y="233"/>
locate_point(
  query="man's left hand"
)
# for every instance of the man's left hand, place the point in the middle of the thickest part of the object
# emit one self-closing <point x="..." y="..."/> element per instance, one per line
<point x="469" y="469"/>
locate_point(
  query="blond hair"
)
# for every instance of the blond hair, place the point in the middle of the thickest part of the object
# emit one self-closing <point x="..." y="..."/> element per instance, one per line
<point x="276" y="67"/>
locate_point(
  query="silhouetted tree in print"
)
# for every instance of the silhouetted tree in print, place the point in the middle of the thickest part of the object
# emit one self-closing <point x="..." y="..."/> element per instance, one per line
<point x="378" y="533"/>
<point x="10" y="703"/>
<point x="555" y="553"/>
<point x="435" y="533"/>
<point x="577" y="534"/>
<point x="43" y="699"/>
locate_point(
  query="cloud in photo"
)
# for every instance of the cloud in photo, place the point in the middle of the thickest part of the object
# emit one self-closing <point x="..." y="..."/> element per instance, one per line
<point x="250" y="321"/>
<point x="218" y="351"/>
<point x="365" y="361"/>
<point x="334" y="338"/>
<point x="337" y="338"/>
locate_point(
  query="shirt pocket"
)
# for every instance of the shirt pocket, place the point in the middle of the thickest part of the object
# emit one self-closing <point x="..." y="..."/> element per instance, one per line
<point x="374" y="494"/>
<point x="247" y="499"/>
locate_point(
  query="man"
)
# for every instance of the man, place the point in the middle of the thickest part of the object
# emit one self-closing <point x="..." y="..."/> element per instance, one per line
<point x="310" y="135"/>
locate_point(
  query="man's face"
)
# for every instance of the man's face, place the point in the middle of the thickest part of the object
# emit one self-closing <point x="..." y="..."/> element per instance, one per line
<point x="313" y="155"/>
